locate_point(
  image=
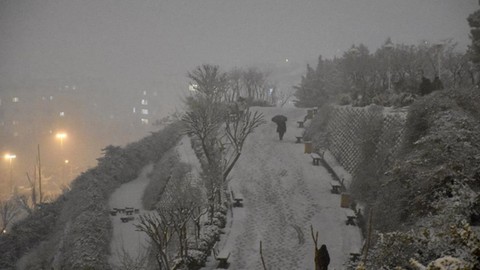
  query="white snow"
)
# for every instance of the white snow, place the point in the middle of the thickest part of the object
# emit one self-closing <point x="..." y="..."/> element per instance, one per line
<point x="125" y="238"/>
<point x="283" y="195"/>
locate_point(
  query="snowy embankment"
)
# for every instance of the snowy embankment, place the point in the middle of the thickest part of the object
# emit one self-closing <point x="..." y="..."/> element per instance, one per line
<point x="283" y="195"/>
<point x="125" y="240"/>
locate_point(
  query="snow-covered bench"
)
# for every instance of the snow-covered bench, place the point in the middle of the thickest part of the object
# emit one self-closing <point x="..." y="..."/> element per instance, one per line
<point x="354" y="256"/>
<point x="316" y="159"/>
<point x="336" y="186"/>
<point x="129" y="211"/>
<point x="300" y="123"/>
<point x="299" y="138"/>
<point x="126" y="219"/>
<point x="238" y="201"/>
<point x="351" y="216"/>
<point x="221" y="257"/>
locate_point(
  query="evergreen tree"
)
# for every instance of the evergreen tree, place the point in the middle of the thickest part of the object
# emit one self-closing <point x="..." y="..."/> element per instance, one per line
<point x="474" y="23"/>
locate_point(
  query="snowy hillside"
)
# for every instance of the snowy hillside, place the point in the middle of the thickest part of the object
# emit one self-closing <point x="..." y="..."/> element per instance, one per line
<point x="283" y="195"/>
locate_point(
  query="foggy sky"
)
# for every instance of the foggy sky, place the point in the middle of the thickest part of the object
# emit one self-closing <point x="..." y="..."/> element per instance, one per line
<point x="135" y="42"/>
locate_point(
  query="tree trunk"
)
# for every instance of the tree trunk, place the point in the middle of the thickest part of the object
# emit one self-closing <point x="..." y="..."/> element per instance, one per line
<point x="230" y="167"/>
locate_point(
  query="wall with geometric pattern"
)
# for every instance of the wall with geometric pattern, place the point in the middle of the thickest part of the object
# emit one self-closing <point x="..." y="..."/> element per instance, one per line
<point x="348" y="127"/>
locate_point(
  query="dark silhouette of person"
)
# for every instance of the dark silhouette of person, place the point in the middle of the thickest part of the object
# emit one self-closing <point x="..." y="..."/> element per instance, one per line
<point x="323" y="258"/>
<point x="437" y="84"/>
<point x="281" y="129"/>
<point x="425" y="86"/>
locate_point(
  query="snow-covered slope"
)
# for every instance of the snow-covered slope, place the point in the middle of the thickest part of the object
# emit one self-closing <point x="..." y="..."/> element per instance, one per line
<point x="283" y="195"/>
<point x="126" y="242"/>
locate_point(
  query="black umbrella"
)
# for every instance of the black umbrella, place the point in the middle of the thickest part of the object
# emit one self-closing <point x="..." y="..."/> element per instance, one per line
<point x="279" y="118"/>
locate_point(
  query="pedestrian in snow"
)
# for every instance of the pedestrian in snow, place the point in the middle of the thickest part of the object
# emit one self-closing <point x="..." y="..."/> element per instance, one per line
<point x="281" y="129"/>
<point x="281" y="121"/>
<point x="323" y="259"/>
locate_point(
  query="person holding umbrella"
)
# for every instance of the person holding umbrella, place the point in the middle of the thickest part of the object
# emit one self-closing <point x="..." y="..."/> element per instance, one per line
<point x="281" y="122"/>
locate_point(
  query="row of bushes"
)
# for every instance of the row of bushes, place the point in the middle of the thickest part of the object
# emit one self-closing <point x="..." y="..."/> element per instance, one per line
<point x="168" y="176"/>
<point x="78" y="230"/>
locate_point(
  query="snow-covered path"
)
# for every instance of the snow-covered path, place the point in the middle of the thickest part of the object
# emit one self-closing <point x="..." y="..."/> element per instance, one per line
<point x="125" y="239"/>
<point x="283" y="195"/>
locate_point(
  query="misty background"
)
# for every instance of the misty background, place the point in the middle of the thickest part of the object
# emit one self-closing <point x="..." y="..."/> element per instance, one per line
<point x="101" y="62"/>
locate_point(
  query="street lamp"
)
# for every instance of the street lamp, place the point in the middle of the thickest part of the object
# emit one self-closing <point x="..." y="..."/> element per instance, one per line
<point x="61" y="136"/>
<point x="438" y="47"/>
<point x="10" y="157"/>
<point x="65" y="174"/>
<point x="389" y="47"/>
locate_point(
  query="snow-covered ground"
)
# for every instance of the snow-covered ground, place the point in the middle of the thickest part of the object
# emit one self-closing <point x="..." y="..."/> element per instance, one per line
<point x="283" y="195"/>
<point x="125" y="239"/>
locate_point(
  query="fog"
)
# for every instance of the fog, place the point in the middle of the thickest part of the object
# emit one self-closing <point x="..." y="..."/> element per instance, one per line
<point x="97" y="60"/>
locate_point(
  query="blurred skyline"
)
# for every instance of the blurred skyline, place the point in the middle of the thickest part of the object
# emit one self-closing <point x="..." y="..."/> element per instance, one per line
<point x="135" y="45"/>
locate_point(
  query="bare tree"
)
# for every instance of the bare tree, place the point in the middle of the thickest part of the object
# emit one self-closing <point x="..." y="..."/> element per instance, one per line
<point x="254" y="81"/>
<point x="131" y="262"/>
<point x="209" y="81"/>
<point x="235" y="84"/>
<point x="8" y="212"/>
<point x="261" y="257"/>
<point x="203" y="120"/>
<point x="179" y="204"/>
<point x="198" y="212"/>
<point x="317" y="250"/>
<point x="159" y="229"/>
<point x="283" y="97"/>
<point x="220" y="135"/>
<point x="237" y="131"/>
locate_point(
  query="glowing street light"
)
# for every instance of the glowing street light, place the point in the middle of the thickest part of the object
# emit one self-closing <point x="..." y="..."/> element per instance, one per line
<point x="64" y="174"/>
<point x="61" y="136"/>
<point x="10" y="157"/>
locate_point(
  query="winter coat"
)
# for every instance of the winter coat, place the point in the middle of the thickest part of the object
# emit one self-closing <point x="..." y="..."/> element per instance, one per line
<point x="323" y="259"/>
<point x="281" y="127"/>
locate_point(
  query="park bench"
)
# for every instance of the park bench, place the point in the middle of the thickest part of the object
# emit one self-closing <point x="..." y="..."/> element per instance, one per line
<point x="299" y="138"/>
<point x="126" y="219"/>
<point x="129" y="211"/>
<point x="335" y="187"/>
<point x="137" y="211"/>
<point x="221" y="257"/>
<point x="315" y="159"/>
<point x="300" y="123"/>
<point x="315" y="110"/>
<point x="351" y="216"/>
<point x="354" y="256"/>
<point x="238" y="201"/>
<point x="113" y="212"/>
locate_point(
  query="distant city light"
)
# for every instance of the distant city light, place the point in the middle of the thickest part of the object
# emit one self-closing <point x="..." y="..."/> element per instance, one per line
<point x="61" y="136"/>
<point x="192" y="87"/>
<point x="10" y="156"/>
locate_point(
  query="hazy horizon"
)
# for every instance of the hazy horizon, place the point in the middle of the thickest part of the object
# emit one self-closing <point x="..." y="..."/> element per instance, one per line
<point x="135" y="44"/>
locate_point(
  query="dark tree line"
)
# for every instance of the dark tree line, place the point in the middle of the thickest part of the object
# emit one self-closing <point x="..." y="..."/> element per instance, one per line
<point x="392" y="75"/>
